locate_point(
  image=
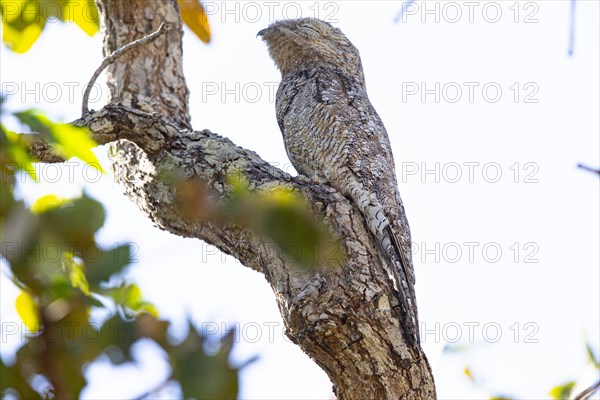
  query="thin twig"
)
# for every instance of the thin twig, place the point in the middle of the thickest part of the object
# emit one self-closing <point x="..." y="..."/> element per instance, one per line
<point x="163" y="28"/>
<point x="571" y="49"/>
<point x="590" y="169"/>
<point x="587" y="393"/>
<point x="403" y="10"/>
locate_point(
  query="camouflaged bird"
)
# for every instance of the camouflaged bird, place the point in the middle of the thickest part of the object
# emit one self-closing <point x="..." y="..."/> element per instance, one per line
<point x="333" y="135"/>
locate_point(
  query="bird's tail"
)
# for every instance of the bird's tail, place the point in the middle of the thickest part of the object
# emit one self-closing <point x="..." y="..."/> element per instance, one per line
<point x="400" y="268"/>
<point x="404" y="283"/>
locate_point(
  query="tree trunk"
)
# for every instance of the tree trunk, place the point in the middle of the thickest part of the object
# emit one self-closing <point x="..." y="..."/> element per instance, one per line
<point x="341" y="317"/>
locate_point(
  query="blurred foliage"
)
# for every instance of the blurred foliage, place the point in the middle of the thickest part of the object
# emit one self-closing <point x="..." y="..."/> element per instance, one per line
<point x="64" y="275"/>
<point x="475" y="381"/>
<point x="65" y="139"/>
<point x="592" y="358"/>
<point x="562" y="392"/>
<point x="468" y="373"/>
<point x="278" y="214"/>
<point x="194" y="16"/>
<point x="24" y="20"/>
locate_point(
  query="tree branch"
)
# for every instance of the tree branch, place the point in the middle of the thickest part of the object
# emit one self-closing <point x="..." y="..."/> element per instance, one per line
<point x="345" y="318"/>
<point x="148" y="131"/>
<point x="589" y="169"/>
<point x="113" y="56"/>
<point x="587" y="393"/>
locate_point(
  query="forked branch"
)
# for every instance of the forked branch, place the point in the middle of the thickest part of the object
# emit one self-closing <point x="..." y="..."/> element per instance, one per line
<point x="164" y="28"/>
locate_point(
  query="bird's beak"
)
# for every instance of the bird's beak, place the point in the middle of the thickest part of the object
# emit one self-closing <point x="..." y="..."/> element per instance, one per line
<point x="261" y="32"/>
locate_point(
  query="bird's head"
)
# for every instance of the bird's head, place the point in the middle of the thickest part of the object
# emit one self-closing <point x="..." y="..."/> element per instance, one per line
<point x="305" y="43"/>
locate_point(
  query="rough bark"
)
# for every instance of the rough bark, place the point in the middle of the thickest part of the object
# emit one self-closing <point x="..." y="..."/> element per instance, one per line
<point x="131" y="80"/>
<point x="341" y="317"/>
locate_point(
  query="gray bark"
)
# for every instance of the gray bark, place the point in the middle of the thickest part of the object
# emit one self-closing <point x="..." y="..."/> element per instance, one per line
<point x="341" y="317"/>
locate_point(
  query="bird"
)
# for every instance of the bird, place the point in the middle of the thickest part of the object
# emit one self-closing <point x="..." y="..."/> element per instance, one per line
<point x="334" y="136"/>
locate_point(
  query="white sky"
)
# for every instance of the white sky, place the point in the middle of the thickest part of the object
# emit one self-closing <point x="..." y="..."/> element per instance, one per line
<point x="545" y="287"/>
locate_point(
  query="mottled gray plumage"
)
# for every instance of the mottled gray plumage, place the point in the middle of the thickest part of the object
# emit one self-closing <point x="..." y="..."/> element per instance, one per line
<point x="333" y="135"/>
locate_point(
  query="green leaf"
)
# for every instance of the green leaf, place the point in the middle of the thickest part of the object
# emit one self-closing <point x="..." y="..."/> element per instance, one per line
<point x="11" y="378"/>
<point x="74" y="141"/>
<point x="84" y="13"/>
<point x="15" y="154"/>
<point x="105" y="263"/>
<point x="591" y="356"/>
<point x="65" y="344"/>
<point x="238" y="184"/>
<point x="60" y="288"/>
<point x="7" y="203"/>
<point x="28" y="311"/>
<point x="468" y="374"/>
<point x="68" y="340"/>
<point x="77" y="277"/>
<point x="47" y="203"/>
<point x="126" y="295"/>
<point x="117" y="336"/>
<point x="130" y="298"/>
<point x="32" y="268"/>
<point x="36" y="121"/>
<point x="151" y="327"/>
<point x="22" y="24"/>
<point x="562" y="392"/>
<point x="24" y="20"/>
<point x="279" y="214"/>
<point x="67" y="140"/>
<point x="76" y="221"/>
<point x="201" y="375"/>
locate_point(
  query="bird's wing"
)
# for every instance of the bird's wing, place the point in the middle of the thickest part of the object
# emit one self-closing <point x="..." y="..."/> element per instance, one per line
<point x="369" y="157"/>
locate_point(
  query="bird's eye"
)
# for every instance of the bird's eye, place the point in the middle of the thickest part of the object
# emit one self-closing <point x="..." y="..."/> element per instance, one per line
<point x="310" y="28"/>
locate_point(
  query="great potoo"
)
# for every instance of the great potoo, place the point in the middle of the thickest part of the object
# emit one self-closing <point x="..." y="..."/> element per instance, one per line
<point x="333" y="135"/>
